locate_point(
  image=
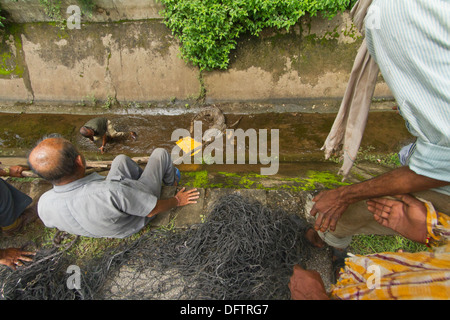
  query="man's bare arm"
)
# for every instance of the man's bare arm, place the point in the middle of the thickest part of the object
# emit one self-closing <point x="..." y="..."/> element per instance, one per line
<point x="182" y="198"/>
<point x="331" y="204"/>
<point x="163" y="205"/>
<point x="104" y="141"/>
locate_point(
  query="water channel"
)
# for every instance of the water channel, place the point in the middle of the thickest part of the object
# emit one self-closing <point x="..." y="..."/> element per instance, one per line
<point x="301" y="135"/>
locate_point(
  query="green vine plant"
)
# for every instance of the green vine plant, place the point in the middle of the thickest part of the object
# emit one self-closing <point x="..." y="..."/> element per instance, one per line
<point x="87" y="7"/>
<point x="52" y="9"/>
<point x="208" y="29"/>
<point x="2" y="18"/>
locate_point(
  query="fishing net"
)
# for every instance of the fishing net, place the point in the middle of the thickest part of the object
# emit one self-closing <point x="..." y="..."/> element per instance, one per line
<point x="44" y="279"/>
<point x="243" y="251"/>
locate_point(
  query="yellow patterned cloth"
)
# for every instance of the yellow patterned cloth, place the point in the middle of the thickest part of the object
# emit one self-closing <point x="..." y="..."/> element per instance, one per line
<point x="403" y="276"/>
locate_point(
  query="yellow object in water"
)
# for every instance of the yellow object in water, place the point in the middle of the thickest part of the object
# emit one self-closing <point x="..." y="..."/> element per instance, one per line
<point x="187" y="144"/>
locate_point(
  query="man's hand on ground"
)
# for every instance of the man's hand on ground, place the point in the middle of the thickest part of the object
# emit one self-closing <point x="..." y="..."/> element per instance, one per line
<point x="14" y="257"/>
<point x="306" y="285"/>
<point x="186" y="197"/>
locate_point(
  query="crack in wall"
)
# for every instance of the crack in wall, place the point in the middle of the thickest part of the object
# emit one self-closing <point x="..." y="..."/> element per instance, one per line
<point x="26" y="75"/>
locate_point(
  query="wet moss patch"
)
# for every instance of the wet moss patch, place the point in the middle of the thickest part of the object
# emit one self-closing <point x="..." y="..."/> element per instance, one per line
<point x="23" y="130"/>
<point x="312" y="181"/>
<point x="12" y="64"/>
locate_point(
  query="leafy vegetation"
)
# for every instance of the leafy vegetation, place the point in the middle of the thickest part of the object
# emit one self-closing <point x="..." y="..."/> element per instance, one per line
<point x="369" y="154"/>
<point x="2" y="18"/>
<point x="370" y="244"/>
<point x="209" y="29"/>
<point x="87" y="7"/>
<point x="52" y="9"/>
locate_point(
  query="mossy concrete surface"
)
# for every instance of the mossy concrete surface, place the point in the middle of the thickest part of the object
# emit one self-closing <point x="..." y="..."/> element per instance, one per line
<point x="125" y="61"/>
<point x="102" y="11"/>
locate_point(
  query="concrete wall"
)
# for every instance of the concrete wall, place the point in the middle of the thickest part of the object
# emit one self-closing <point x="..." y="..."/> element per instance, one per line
<point x="130" y="61"/>
<point x="124" y="51"/>
<point x="23" y="11"/>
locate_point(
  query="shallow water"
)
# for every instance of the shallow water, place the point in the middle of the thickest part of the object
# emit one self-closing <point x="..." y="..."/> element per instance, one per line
<point x="301" y="135"/>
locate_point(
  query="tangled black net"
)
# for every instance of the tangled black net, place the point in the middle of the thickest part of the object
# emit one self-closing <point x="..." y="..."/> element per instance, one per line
<point x="44" y="279"/>
<point x="243" y="251"/>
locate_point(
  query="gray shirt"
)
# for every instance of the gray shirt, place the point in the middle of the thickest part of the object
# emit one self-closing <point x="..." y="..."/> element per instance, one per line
<point x="99" y="125"/>
<point x="95" y="206"/>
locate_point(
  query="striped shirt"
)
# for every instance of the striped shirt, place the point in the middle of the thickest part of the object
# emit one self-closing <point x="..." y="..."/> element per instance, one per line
<point x="410" y="41"/>
<point x="403" y="276"/>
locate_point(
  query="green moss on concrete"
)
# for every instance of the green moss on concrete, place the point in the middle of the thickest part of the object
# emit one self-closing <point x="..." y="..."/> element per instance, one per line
<point x="195" y="179"/>
<point x="11" y="65"/>
<point x="5" y="59"/>
<point x="323" y="178"/>
<point x="314" y="180"/>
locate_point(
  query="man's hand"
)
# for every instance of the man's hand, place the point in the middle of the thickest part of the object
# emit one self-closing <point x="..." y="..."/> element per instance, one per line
<point x="182" y="198"/>
<point x="186" y="197"/>
<point x="307" y="285"/>
<point x="331" y="204"/>
<point x="16" y="171"/>
<point x="407" y="216"/>
<point x="328" y="207"/>
<point x="14" y="257"/>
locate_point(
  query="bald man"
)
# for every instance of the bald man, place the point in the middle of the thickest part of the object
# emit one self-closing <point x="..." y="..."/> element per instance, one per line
<point x="115" y="206"/>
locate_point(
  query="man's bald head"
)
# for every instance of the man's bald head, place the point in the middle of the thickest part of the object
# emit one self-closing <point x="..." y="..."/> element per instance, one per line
<point x="54" y="159"/>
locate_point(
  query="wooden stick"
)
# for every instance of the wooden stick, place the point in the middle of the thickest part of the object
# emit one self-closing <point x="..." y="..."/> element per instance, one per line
<point x="29" y="174"/>
<point x="107" y="164"/>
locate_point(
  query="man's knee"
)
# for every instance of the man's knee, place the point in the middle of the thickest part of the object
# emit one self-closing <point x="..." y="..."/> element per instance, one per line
<point x="121" y="158"/>
<point x="160" y="158"/>
<point x="160" y="153"/>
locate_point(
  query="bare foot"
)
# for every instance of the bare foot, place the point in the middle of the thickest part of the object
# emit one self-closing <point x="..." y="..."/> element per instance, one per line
<point x="313" y="237"/>
<point x="407" y="216"/>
